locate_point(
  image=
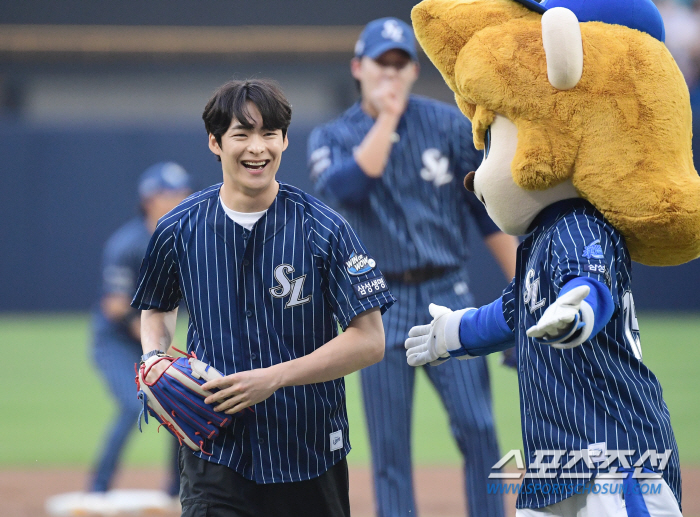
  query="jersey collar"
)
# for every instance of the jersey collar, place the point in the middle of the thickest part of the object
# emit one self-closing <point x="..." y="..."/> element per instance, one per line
<point x="554" y="211"/>
<point x="274" y="219"/>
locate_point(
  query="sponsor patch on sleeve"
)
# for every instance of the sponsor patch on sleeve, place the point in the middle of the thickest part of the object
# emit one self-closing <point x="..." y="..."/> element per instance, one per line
<point x="599" y="269"/>
<point x="359" y="264"/>
<point x="595" y="268"/>
<point x="369" y="287"/>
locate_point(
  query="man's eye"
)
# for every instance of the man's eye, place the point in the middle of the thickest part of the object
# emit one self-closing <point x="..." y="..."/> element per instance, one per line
<point x="487" y="142"/>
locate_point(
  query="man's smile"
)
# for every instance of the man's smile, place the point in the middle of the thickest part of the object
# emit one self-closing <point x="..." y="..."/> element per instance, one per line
<point x="255" y="165"/>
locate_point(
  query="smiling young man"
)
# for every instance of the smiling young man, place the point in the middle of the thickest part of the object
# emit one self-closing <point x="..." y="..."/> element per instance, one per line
<point x="266" y="272"/>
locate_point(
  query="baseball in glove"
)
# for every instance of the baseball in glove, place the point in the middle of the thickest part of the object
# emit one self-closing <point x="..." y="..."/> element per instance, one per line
<point x="176" y="400"/>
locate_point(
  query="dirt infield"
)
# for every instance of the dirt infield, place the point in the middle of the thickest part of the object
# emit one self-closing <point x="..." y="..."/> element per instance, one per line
<point x="439" y="490"/>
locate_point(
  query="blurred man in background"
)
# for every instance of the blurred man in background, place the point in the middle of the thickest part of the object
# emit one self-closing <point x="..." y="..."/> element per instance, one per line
<point x="393" y="165"/>
<point x="116" y="326"/>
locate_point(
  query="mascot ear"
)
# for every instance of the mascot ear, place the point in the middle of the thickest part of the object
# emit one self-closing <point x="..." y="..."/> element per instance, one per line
<point x="561" y="38"/>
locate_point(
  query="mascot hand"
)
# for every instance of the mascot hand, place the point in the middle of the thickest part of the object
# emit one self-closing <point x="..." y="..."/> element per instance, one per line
<point x="426" y="343"/>
<point x="561" y="320"/>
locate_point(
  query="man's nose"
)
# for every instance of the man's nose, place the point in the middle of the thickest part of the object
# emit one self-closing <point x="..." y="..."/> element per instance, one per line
<point x="255" y="144"/>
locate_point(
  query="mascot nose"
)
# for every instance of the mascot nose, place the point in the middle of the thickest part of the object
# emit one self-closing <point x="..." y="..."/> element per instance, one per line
<point x="469" y="181"/>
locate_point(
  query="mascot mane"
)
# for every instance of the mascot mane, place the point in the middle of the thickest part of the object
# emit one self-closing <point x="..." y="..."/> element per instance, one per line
<point x="622" y="133"/>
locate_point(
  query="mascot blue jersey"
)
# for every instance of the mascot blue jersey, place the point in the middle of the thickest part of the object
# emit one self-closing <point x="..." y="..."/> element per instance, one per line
<point x="598" y="397"/>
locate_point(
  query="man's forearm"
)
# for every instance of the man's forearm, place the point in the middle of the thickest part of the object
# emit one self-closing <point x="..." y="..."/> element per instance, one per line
<point x="361" y="345"/>
<point x="157" y="329"/>
<point x="373" y="153"/>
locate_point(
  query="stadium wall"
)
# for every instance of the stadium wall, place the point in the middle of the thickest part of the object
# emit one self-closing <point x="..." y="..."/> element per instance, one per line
<point x="63" y="190"/>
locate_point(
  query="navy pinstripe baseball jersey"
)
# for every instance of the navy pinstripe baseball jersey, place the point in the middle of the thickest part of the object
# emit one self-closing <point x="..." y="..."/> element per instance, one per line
<point x="597" y="394"/>
<point x="261" y="297"/>
<point x="417" y="213"/>
<point x="120" y="270"/>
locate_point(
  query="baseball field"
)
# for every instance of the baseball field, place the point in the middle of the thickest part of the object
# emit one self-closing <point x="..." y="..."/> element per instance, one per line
<point x="55" y="412"/>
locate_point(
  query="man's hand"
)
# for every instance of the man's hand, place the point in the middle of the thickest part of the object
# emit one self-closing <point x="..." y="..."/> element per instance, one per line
<point x="389" y="98"/>
<point x="561" y="316"/>
<point x="426" y="343"/>
<point x="156" y="371"/>
<point x="243" y="389"/>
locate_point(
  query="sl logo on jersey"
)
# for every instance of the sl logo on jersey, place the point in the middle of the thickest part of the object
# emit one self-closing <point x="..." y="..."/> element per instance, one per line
<point x="594" y="250"/>
<point x="359" y="264"/>
<point x="435" y="167"/>
<point x="289" y="287"/>
<point x="532" y="292"/>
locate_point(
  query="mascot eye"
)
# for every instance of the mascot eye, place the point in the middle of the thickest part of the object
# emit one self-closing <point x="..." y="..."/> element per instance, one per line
<point x="487" y="142"/>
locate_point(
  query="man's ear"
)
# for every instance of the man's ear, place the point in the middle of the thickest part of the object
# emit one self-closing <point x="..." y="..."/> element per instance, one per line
<point x="214" y="146"/>
<point x="286" y="142"/>
<point x="355" y="68"/>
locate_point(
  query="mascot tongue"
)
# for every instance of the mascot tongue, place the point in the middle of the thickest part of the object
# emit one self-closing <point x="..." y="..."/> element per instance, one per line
<point x="620" y="132"/>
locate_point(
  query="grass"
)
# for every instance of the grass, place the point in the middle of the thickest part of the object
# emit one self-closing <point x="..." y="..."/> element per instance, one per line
<point x="56" y="410"/>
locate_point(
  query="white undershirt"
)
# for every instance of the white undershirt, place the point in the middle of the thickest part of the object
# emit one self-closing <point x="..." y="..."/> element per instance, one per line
<point x="246" y="219"/>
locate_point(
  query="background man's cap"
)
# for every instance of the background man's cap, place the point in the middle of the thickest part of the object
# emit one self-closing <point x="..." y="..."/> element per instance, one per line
<point x="385" y="34"/>
<point x="635" y="14"/>
<point x="163" y="176"/>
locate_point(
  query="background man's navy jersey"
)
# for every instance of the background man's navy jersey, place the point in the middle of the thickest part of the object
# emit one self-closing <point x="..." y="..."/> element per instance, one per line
<point x="261" y="297"/>
<point x="121" y="262"/>
<point x="600" y="391"/>
<point x="415" y="217"/>
<point x="417" y="213"/>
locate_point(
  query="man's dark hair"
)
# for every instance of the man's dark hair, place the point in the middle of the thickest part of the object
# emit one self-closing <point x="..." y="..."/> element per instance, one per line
<point x="229" y="102"/>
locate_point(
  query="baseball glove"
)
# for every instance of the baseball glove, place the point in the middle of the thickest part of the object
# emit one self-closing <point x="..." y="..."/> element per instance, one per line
<point x="176" y="400"/>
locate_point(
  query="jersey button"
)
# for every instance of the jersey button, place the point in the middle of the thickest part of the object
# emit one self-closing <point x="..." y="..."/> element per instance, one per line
<point x="253" y="357"/>
<point x="261" y="440"/>
<point x="246" y="262"/>
<point x="249" y="313"/>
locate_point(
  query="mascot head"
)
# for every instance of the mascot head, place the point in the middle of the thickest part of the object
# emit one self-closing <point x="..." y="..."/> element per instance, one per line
<point x="573" y="98"/>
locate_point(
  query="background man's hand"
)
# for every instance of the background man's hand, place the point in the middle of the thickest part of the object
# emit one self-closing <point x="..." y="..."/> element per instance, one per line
<point x="389" y="98"/>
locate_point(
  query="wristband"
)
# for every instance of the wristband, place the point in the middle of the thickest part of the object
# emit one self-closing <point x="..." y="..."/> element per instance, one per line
<point x="145" y="357"/>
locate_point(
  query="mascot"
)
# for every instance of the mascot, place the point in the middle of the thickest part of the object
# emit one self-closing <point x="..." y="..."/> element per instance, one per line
<point x="585" y="123"/>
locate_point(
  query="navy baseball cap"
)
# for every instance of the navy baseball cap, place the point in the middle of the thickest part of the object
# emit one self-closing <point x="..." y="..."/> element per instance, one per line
<point x="385" y="34"/>
<point x="635" y="14"/>
<point x="163" y="176"/>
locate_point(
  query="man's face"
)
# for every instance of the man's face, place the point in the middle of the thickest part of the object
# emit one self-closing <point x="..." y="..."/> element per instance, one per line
<point x="250" y="157"/>
<point x="393" y="66"/>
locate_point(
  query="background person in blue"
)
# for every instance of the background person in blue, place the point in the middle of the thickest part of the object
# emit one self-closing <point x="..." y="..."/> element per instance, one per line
<point x="268" y="273"/>
<point x="116" y="326"/>
<point x="393" y="165"/>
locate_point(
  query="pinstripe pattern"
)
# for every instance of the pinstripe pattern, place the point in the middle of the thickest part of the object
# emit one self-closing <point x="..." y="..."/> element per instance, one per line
<point x="415" y="217"/>
<point x="599" y="391"/>
<point x="225" y="274"/>
<point x="408" y="222"/>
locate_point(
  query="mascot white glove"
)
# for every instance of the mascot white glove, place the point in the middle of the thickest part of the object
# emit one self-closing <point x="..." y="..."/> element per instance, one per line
<point x="429" y="343"/>
<point x="563" y="318"/>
